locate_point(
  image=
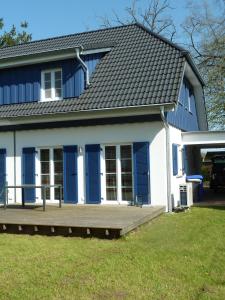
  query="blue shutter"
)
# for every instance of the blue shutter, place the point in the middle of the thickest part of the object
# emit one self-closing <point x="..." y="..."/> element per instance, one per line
<point x="175" y="159"/>
<point x="93" y="180"/>
<point x="70" y="183"/>
<point x="2" y="173"/>
<point x="28" y="176"/>
<point x="141" y="171"/>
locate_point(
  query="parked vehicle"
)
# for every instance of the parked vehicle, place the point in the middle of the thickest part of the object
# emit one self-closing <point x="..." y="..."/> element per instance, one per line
<point x="217" y="179"/>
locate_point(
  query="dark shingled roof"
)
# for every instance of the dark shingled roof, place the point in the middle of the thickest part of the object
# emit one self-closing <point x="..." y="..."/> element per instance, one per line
<point x="141" y="69"/>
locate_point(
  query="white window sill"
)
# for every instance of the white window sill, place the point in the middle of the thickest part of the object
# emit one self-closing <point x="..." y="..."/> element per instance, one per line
<point x="50" y="99"/>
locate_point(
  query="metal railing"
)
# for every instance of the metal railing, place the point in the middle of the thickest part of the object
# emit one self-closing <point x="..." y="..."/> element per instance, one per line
<point x="31" y="186"/>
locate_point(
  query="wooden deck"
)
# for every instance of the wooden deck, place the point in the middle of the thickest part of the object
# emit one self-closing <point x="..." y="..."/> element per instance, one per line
<point x="80" y="220"/>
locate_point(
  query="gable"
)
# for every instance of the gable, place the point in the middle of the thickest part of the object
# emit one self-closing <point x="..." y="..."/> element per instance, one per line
<point x="185" y="116"/>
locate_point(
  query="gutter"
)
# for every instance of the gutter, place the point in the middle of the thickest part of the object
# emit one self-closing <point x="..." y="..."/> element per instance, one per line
<point x="84" y="66"/>
<point x="168" y="165"/>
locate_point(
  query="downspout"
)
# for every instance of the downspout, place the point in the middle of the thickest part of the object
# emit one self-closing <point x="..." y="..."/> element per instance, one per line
<point x="168" y="157"/>
<point x="14" y="162"/>
<point x="84" y="66"/>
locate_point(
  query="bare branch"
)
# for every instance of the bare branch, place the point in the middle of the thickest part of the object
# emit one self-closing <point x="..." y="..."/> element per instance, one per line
<point x="153" y="16"/>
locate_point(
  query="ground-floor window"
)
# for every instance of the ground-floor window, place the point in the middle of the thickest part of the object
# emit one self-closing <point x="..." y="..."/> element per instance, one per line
<point x="51" y="170"/>
<point x="118" y="172"/>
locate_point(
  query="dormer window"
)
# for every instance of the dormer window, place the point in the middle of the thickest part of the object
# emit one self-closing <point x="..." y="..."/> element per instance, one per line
<point x="51" y="83"/>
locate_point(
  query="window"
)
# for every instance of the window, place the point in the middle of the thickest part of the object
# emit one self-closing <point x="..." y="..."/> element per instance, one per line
<point x="118" y="173"/>
<point x="186" y="97"/>
<point x="51" y="85"/>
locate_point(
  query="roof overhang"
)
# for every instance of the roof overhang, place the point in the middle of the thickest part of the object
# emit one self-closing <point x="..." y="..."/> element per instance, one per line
<point x="204" y="138"/>
<point x="47" y="56"/>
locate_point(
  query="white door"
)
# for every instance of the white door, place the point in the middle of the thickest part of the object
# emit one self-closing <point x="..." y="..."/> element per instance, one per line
<point x="118" y="174"/>
<point x="50" y="171"/>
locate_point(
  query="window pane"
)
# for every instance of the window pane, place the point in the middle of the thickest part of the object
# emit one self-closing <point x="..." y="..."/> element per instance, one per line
<point x="127" y="180"/>
<point x="58" y="179"/>
<point x="58" y="154"/>
<point x="110" y="152"/>
<point x="58" y="84"/>
<point x="48" y="94"/>
<point x="57" y="193"/>
<point x="48" y="76"/>
<point x="58" y="167"/>
<point x="111" y="166"/>
<point x="126" y="165"/>
<point x="111" y="194"/>
<point x="58" y="93"/>
<point x="47" y="85"/>
<point x="127" y="194"/>
<point x="58" y="75"/>
<point x="125" y="151"/>
<point x="44" y="154"/>
<point x="111" y="179"/>
<point x="45" y="179"/>
<point x="45" y="167"/>
<point x="47" y="194"/>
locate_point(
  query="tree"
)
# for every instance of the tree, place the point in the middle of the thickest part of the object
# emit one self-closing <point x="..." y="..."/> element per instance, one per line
<point x="205" y="31"/>
<point x="154" y="17"/>
<point x="13" y="36"/>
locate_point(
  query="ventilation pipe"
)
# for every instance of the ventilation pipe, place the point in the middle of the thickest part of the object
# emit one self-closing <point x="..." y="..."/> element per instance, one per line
<point x="168" y="157"/>
<point x="84" y="66"/>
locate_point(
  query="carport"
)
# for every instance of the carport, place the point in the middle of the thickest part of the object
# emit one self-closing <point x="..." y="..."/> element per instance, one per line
<point x="193" y="143"/>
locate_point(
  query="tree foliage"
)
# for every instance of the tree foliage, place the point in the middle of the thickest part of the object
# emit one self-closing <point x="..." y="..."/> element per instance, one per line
<point x="14" y="36"/>
<point x="205" y="32"/>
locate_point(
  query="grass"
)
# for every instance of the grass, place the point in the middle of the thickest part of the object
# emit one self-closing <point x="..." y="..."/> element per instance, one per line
<point x="177" y="256"/>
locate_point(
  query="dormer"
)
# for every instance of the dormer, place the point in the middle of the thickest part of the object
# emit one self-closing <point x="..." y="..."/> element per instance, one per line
<point x="47" y="75"/>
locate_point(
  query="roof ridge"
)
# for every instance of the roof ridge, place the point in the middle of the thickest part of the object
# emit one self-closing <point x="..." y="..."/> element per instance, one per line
<point x="164" y="39"/>
<point x="69" y="35"/>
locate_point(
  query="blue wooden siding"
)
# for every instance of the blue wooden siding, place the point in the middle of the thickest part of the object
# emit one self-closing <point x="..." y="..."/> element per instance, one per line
<point x="23" y="84"/>
<point x="182" y="118"/>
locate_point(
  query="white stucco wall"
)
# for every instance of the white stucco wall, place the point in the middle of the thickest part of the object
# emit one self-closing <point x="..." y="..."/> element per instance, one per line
<point x="123" y="133"/>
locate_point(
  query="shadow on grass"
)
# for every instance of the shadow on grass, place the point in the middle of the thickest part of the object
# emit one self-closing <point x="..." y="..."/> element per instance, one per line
<point x="218" y="207"/>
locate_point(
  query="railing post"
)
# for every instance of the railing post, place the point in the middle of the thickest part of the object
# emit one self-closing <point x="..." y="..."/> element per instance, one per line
<point x="60" y="196"/>
<point x="6" y="195"/>
<point x="23" y="196"/>
<point x="44" y="197"/>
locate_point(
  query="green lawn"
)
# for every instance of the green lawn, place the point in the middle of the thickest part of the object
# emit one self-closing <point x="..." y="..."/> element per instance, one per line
<point x="177" y="256"/>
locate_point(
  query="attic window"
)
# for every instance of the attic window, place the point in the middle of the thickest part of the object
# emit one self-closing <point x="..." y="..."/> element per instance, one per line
<point x="51" y="85"/>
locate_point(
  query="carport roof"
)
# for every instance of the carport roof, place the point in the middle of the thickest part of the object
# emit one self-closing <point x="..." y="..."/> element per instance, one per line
<point x="204" y="138"/>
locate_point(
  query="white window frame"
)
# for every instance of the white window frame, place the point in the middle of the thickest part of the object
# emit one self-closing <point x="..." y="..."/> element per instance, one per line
<point x="119" y="199"/>
<point x="52" y="173"/>
<point x="52" y="72"/>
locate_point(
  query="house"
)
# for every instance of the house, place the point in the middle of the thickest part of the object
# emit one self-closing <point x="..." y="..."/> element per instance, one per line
<point x="100" y="112"/>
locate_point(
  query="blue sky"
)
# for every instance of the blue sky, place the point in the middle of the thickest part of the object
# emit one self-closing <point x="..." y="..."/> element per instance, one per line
<point x="49" y="18"/>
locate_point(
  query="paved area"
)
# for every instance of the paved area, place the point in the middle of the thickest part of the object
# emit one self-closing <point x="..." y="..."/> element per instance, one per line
<point x="117" y="220"/>
<point x="212" y="198"/>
